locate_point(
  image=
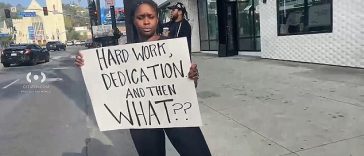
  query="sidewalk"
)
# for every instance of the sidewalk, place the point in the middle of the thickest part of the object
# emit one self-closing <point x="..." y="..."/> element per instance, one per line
<point x="259" y="107"/>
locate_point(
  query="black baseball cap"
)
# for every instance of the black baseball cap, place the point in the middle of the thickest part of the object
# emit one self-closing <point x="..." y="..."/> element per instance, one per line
<point x="178" y="6"/>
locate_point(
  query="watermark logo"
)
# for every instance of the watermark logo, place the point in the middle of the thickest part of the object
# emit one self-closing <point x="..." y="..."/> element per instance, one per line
<point x="36" y="83"/>
<point x="31" y="78"/>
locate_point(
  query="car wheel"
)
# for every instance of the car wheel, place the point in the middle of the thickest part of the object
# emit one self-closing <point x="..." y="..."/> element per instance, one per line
<point x="6" y="64"/>
<point x="47" y="59"/>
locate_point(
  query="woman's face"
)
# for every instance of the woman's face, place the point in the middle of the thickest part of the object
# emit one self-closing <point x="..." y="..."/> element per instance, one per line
<point x="146" y="20"/>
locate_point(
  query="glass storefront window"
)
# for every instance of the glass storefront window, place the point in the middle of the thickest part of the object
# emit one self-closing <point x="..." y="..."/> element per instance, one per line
<point x="208" y="24"/>
<point x="204" y="34"/>
<point x="304" y="16"/>
<point x="248" y="25"/>
<point x="212" y="19"/>
<point x="213" y="25"/>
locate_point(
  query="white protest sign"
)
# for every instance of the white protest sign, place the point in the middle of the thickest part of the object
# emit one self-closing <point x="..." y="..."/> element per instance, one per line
<point x="142" y="85"/>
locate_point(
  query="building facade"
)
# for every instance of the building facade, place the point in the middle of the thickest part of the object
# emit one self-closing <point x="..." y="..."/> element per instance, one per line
<point x="41" y="29"/>
<point x="313" y="31"/>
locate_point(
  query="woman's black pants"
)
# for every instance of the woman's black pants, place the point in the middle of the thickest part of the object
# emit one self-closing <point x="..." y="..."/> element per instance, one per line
<point x="187" y="141"/>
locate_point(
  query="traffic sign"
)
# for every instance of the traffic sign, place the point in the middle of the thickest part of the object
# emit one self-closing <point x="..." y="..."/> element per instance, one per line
<point x="3" y="35"/>
<point x="31" y="32"/>
<point x="110" y="2"/>
<point x="28" y="14"/>
<point x="13" y="9"/>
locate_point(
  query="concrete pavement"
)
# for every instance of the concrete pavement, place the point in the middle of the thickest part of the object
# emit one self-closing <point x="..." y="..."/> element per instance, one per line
<point x="258" y="107"/>
<point x="249" y="106"/>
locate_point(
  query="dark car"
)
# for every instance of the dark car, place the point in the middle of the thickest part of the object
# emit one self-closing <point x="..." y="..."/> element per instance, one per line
<point x="24" y="54"/>
<point x="90" y="44"/>
<point x="55" y="45"/>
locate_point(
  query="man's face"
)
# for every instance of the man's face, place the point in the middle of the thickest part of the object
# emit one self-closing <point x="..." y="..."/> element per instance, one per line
<point x="174" y="14"/>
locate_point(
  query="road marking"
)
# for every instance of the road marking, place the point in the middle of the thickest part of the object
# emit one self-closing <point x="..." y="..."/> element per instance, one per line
<point x="11" y="84"/>
<point x="61" y="68"/>
<point x="56" y="57"/>
<point x="54" y="79"/>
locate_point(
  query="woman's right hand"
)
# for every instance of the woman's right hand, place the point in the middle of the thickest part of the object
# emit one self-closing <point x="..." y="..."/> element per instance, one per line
<point x="79" y="60"/>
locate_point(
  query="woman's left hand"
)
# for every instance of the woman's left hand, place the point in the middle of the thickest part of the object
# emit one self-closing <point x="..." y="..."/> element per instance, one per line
<point x="193" y="73"/>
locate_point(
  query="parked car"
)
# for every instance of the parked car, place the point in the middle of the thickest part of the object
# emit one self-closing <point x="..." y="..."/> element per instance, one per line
<point x="69" y="43"/>
<point x="83" y="43"/>
<point x="24" y="54"/>
<point x="55" y="45"/>
<point x="77" y="43"/>
<point x="90" y="44"/>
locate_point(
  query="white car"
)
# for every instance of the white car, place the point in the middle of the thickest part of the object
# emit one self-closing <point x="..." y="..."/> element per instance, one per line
<point x="69" y="43"/>
<point x="77" y="43"/>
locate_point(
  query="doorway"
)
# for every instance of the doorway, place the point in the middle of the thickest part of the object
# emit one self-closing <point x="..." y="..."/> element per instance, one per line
<point x="248" y="25"/>
<point x="226" y="11"/>
<point x="239" y="26"/>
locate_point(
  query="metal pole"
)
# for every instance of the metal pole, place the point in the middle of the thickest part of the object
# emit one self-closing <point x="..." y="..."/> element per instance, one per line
<point x="91" y="21"/>
<point x="98" y="11"/>
<point x="128" y="21"/>
<point x="113" y="22"/>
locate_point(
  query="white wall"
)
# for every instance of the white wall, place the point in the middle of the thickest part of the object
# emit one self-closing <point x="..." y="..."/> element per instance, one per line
<point x="344" y="46"/>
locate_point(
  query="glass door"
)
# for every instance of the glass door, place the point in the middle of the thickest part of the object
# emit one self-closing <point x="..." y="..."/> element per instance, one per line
<point x="231" y="41"/>
<point x="248" y="25"/>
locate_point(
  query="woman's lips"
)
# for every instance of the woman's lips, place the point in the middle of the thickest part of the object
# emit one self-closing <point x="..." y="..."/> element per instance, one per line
<point x="147" y="29"/>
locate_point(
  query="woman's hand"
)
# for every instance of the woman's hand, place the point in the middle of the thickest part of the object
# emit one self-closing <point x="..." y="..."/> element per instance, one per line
<point x="79" y="60"/>
<point x="193" y="73"/>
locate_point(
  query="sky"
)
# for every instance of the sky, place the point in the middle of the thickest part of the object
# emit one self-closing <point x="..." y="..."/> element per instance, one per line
<point x="118" y="3"/>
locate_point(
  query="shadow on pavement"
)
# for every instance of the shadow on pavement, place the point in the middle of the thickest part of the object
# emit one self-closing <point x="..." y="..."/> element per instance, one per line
<point x="75" y="90"/>
<point x="94" y="147"/>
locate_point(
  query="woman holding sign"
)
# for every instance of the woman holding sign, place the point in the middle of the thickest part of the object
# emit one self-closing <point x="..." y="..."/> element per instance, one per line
<point x="151" y="142"/>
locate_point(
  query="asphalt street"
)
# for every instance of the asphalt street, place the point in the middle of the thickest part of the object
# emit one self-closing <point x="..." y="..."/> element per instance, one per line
<point x="49" y="118"/>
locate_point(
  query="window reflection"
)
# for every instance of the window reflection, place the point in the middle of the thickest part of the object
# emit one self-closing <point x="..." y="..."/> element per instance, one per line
<point x="249" y="25"/>
<point x="304" y="16"/>
<point x="208" y="24"/>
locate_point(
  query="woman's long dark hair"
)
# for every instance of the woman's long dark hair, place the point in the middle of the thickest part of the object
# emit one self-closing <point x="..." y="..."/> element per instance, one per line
<point x="136" y="4"/>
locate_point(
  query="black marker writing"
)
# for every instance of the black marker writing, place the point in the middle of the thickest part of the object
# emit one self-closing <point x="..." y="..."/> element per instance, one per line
<point x="149" y="51"/>
<point x="130" y="119"/>
<point x="165" y="107"/>
<point x="162" y="90"/>
<point x="111" y="57"/>
<point x="167" y="70"/>
<point x="135" y="93"/>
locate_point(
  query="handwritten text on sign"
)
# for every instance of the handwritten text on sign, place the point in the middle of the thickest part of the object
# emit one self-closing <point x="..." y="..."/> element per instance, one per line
<point x="142" y="85"/>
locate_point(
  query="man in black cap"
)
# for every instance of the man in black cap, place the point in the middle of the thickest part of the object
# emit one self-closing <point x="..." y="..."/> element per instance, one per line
<point x="178" y="26"/>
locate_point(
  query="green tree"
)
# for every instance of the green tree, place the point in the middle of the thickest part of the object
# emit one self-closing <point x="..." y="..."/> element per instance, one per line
<point x="83" y="37"/>
<point x="5" y="41"/>
<point x="73" y="35"/>
<point x="75" y="16"/>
